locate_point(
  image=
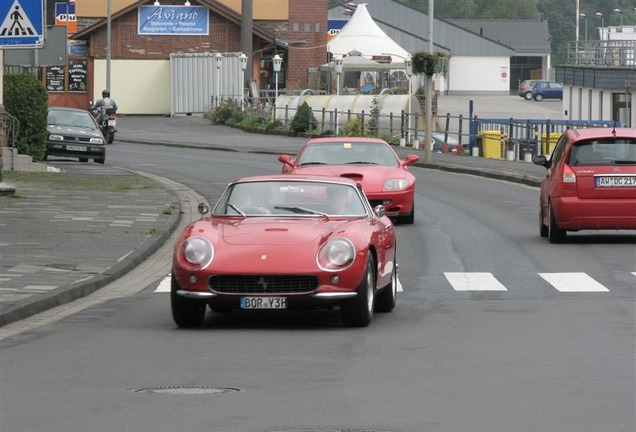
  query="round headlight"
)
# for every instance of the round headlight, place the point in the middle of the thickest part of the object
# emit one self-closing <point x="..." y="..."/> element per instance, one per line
<point x="336" y="254"/>
<point x="198" y="251"/>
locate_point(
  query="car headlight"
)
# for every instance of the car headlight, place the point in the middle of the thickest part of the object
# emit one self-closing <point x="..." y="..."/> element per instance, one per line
<point x="97" y="141"/>
<point x="198" y="251"/>
<point x="336" y="254"/>
<point x="395" y="184"/>
<point x="56" y="137"/>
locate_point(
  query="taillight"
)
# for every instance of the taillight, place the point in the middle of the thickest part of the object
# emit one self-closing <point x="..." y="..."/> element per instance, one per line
<point x="568" y="185"/>
<point x="568" y="174"/>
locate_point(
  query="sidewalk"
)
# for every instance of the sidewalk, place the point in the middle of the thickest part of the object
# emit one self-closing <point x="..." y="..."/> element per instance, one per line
<point x="61" y="240"/>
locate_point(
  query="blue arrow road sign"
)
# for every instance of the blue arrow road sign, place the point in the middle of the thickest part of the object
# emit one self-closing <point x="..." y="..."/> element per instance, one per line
<point x="21" y="23"/>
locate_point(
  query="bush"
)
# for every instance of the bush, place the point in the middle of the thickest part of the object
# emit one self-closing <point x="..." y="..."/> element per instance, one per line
<point x="353" y="128"/>
<point x="26" y="99"/>
<point x="304" y="119"/>
<point x="228" y="111"/>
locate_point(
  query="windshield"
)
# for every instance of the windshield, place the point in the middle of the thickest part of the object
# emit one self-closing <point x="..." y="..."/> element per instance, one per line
<point x="606" y="151"/>
<point x="348" y="153"/>
<point x="292" y="198"/>
<point x="70" y="118"/>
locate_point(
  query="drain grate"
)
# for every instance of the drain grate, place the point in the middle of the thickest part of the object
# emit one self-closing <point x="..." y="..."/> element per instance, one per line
<point x="186" y="390"/>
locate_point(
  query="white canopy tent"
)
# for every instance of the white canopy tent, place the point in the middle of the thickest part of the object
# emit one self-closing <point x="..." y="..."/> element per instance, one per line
<point x="362" y="34"/>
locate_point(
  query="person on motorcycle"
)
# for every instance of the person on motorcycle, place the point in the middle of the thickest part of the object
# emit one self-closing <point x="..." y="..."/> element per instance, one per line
<point x="105" y="105"/>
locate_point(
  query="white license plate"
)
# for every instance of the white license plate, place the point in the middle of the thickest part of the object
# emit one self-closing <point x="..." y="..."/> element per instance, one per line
<point x="263" y="303"/>
<point x="76" y="148"/>
<point x="112" y="123"/>
<point x="616" y="181"/>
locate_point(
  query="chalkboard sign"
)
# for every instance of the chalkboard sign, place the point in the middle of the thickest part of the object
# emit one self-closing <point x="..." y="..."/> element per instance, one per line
<point x="77" y="73"/>
<point x="55" y="78"/>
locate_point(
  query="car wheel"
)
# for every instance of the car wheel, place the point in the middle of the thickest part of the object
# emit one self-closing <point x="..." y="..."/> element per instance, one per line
<point x="555" y="234"/>
<point x="46" y="156"/>
<point x="543" y="228"/>
<point x="186" y="313"/>
<point x="83" y="159"/>
<point x="527" y="95"/>
<point x="385" y="300"/>
<point x="100" y="161"/>
<point x="358" y="311"/>
<point x="538" y="97"/>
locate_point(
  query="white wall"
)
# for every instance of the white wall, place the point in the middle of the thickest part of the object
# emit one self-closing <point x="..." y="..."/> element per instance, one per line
<point x="585" y="103"/>
<point x="479" y="75"/>
<point x="138" y="86"/>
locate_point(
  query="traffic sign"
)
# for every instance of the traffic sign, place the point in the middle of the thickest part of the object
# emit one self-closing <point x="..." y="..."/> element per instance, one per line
<point x="22" y="23"/>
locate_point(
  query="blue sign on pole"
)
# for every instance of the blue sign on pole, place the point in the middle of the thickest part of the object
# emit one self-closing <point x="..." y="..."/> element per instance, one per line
<point x="22" y="23"/>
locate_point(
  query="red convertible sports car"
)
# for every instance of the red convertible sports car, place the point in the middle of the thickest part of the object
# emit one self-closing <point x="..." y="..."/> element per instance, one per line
<point x="286" y="242"/>
<point x="590" y="183"/>
<point x="372" y="162"/>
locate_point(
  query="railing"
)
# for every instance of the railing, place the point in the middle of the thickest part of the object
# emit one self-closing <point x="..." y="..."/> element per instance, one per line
<point x="11" y="129"/>
<point x="605" y="53"/>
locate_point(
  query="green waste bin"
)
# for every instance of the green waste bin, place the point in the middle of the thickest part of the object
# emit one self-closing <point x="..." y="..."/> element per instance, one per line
<point x="491" y="145"/>
<point x="547" y="147"/>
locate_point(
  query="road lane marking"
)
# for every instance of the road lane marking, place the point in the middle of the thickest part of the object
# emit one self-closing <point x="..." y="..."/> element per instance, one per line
<point x="573" y="282"/>
<point x="474" y="282"/>
<point x="164" y="285"/>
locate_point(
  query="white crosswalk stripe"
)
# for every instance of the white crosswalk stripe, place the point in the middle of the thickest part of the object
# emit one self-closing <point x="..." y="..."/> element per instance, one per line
<point x="474" y="282"/>
<point x="573" y="282"/>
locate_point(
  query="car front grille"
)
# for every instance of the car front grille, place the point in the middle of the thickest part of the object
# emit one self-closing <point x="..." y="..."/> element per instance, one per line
<point x="263" y="284"/>
<point x="75" y="139"/>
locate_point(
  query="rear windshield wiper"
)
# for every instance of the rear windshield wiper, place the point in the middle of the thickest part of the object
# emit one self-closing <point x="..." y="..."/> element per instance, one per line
<point x="625" y="162"/>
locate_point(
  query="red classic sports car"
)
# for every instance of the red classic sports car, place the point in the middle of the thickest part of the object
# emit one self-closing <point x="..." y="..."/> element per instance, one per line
<point x="372" y="162"/>
<point x="286" y="242"/>
<point x="590" y="183"/>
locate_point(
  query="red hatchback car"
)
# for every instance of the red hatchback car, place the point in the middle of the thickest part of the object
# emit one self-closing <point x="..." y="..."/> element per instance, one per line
<point x="372" y="162"/>
<point x="590" y="183"/>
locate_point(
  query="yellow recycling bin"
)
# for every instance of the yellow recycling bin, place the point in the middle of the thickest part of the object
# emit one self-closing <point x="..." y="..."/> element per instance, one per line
<point x="547" y="147"/>
<point x="491" y="145"/>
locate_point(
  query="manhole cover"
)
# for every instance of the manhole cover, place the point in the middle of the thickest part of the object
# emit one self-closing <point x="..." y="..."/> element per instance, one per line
<point x="186" y="390"/>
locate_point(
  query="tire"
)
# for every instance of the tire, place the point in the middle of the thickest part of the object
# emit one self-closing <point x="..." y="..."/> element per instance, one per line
<point x="538" y="97"/>
<point x="555" y="234"/>
<point x="358" y="311"/>
<point x="110" y="137"/>
<point x="527" y="95"/>
<point x="100" y="161"/>
<point x="186" y="313"/>
<point x="543" y="228"/>
<point x="386" y="299"/>
<point x="83" y="159"/>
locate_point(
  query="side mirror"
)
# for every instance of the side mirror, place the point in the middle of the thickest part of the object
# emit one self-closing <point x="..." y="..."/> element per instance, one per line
<point x="411" y="159"/>
<point x="379" y="210"/>
<point x="203" y="208"/>
<point x="541" y="160"/>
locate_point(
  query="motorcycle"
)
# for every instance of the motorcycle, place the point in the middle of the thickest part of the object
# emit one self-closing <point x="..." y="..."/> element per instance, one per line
<point x="107" y="124"/>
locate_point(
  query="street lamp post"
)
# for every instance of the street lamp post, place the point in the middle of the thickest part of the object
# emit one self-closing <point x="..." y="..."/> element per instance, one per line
<point x="582" y="15"/>
<point x="218" y="59"/>
<point x="620" y="12"/>
<point x="600" y="14"/>
<point x="243" y="62"/>
<point x="337" y="63"/>
<point x="408" y="70"/>
<point x="277" y="60"/>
